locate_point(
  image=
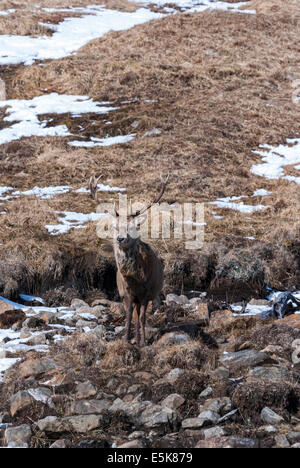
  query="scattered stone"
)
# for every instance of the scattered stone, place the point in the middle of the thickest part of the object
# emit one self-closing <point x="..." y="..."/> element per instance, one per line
<point x="221" y="374"/>
<point x="61" y="443"/>
<point x="80" y="424"/>
<point x="214" y="432"/>
<point x="35" y="367"/>
<point x="281" y="441"/>
<point x="78" y="303"/>
<point x="296" y="446"/>
<point x="88" y="406"/>
<point x="206" y="393"/>
<point x="146" y="413"/>
<point x="18" y="435"/>
<point x="293" y="437"/>
<point x="227" y="416"/>
<point x="85" y="324"/>
<point x="85" y="390"/>
<point x="173" y="401"/>
<point x="34" y="322"/>
<point x="271" y="374"/>
<point x="138" y="443"/>
<point x="217" y="405"/>
<point x="272" y="349"/>
<point x="20" y="401"/>
<point x="241" y="359"/>
<point x="270" y="417"/>
<point x="25" y="398"/>
<point x="174" y="374"/>
<point x="173" y="338"/>
<point x="267" y="430"/>
<point x="136" y="435"/>
<point x="228" y="442"/>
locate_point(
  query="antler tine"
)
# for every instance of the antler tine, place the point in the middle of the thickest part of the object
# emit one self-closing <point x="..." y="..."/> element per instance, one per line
<point x="156" y="200"/>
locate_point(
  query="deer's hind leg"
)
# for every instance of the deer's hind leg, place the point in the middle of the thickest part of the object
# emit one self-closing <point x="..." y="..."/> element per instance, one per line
<point x="129" y="309"/>
<point x="143" y="323"/>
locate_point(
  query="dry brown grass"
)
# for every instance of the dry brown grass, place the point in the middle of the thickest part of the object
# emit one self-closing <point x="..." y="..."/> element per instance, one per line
<point x="223" y="85"/>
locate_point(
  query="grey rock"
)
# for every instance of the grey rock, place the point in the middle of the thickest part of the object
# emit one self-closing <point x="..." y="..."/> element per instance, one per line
<point x="137" y="435"/>
<point x="34" y="322"/>
<point x="173" y="338"/>
<point x="271" y="374"/>
<point x="88" y="406"/>
<point x="174" y="374"/>
<point x="86" y="324"/>
<point x="270" y="417"/>
<point x="296" y="446"/>
<point x="18" y="435"/>
<point x="206" y="393"/>
<point x="34" y="367"/>
<point x="227" y="416"/>
<point x="209" y="417"/>
<point x="138" y="443"/>
<point x="78" y="303"/>
<point x="217" y="405"/>
<point x="61" y="443"/>
<point x="145" y="413"/>
<point x="281" y="441"/>
<point x="214" y="432"/>
<point x="242" y="359"/>
<point x="192" y="423"/>
<point x="79" y="424"/>
<point x="99" y="331"/>
<point x="221" y="374"/>
<point x="173" y="401"/>
<point x="293" y="437"/>
<point x="85" y="390"/>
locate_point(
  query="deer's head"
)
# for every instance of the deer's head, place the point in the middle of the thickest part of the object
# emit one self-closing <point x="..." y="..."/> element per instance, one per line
<point x="126" y="232"/>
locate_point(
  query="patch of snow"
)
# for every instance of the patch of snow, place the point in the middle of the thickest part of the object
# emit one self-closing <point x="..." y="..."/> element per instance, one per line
<point x="108" y="141"/>
<point x="275" y="158"/>
<point x="101" y="188"/>
<point x="229" y="203"/>
<point x="255" y="311"/>
<point x="71" y="220"/>
<point x="261" y="193"/>
<point x="45" y="192"/>
<point x="197" y="5"/>
<point x="5" y="364"/>
<point x="26" y="113"/>
<point x="70" y="35"/>
<point x="4" y="190"/>
<point x="7" y="12"/>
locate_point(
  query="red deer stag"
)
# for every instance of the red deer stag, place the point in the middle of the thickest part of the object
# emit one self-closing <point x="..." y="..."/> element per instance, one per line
<point x="139" y="270"/>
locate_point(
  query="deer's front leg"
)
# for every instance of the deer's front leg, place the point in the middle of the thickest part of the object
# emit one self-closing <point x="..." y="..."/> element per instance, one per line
<point x="142" y="324"/>
<point x="129" y="309"/>
<point x="137" y="326"/>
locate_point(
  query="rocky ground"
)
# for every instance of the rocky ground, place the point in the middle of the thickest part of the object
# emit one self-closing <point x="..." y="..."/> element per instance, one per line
<point x="207" y="378"/>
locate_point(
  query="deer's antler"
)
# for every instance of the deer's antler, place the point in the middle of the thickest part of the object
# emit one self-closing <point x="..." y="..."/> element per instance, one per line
<point x="156" y="200"/>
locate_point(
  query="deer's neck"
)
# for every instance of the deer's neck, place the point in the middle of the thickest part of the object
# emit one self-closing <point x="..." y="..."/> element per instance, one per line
<point x="128" y="261"/>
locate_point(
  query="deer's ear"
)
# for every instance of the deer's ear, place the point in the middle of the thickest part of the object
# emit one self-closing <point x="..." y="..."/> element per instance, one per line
<point x="140" y="220"/>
